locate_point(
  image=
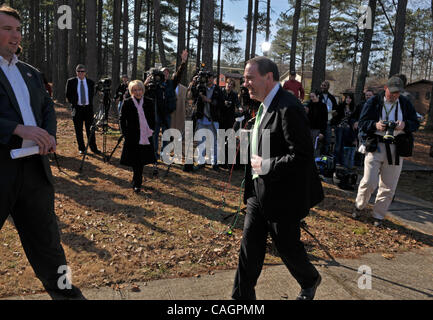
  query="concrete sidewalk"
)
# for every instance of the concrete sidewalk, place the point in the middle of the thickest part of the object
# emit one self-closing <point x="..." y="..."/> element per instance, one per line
<point x="408" y="276"/>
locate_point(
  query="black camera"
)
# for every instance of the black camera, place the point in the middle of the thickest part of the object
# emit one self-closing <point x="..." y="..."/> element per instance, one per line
<point x="201" y="82"/>
<point x="104" y="85"/>
<point x="200" y="78"/>
<point x="157" y="77"/>
<point x="389" y="130"/>
<point x="155" y="88"/>
<point x="228" y="103"/>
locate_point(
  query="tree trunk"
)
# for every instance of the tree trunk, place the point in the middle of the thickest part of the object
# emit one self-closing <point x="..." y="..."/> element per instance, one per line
<point x="125" y="38"/>
<point x="73" y="39"/>
<point x="48" y="41"/>
<point x="55" y="58"/>
<point x="199" y="36"/>
<point x="117" y="13"/>
<point x="38" y="37"/>
<point x="137" y="18"/>
<point x="208" y="28"/>
<point x="158" y="31"/>
<point x="220" y="31"/>
<point x="397" y="48"/>
<point x="153" y="37"/>
<point x="91" y="45"/>
<point x="61" y="53"/>
<point x="100" y="40"/>
<point x="148" y="36"/>
<point x="31" y="34"/>
<point x="81" y="33"/>
<point x="355" y="54"/>
<point x="248" y="39"/>
<point x="412" y="56"/>
<point x="319" y="65"/>
<point x="181" y="36"/>
<point x="296" y="17"/>
<point x="188" y="35"/>
<point x="429" y="124"/>
<point x="365" y="54"/>
<point x="255" y="21"/>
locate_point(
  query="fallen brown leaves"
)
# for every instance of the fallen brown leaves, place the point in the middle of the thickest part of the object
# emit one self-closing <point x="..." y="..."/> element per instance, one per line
<point x="174" y="228"/>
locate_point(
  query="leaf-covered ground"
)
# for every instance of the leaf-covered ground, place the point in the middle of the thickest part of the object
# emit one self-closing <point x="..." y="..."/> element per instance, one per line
<point x="177" y="227"/>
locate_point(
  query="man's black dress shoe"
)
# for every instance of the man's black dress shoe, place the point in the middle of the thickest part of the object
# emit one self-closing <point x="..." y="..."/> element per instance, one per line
<point x="67" y="294"/>
<point x="137" y="190"/>
<point x="96" y="151"/>
<point x="309" y="293"/>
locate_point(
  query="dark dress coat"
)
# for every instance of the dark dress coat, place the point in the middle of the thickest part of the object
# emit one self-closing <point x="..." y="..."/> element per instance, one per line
<point x="10" y="114"/>
<point x="134" y="154"/>
<point x="292" y="185"/>
<point x="318" y="116"/>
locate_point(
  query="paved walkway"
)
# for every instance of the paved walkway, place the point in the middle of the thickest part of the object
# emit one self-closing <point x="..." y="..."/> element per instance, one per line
<point x="407" y="276"/>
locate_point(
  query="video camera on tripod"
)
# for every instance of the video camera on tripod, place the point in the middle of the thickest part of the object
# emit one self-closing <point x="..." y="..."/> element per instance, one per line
<point x="104" y="86"/>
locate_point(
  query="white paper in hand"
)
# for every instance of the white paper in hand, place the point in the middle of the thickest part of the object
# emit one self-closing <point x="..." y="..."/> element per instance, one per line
<point x="24" y="152"/>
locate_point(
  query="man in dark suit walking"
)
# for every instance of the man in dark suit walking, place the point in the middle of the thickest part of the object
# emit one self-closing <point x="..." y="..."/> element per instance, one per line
<point x="80" y="92"/>
<point x="281" y="184"/>
<point x="28" y="119"/>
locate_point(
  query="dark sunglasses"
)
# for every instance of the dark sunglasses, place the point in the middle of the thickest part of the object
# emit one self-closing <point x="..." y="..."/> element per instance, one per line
<point x="80" y="71"/>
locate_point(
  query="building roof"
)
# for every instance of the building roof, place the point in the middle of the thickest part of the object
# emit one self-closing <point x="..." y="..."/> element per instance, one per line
<point x="424" y="81"/>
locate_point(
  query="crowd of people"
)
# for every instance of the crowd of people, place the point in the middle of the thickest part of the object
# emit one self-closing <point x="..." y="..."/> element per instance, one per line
<point x="280" y="187"/>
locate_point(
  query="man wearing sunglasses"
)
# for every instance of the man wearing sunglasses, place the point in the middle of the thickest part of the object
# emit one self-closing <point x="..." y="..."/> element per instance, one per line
<point x="79" y="92"/>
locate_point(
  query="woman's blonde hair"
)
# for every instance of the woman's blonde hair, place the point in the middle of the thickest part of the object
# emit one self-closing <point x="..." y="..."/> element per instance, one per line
<point x="135" y="83"/>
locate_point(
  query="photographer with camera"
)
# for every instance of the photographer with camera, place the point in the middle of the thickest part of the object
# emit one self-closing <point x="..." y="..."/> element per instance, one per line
<point x="209" y="101"/>
<point x="248" y="107"/>
<point x="166" y="99"/>
<point x="121" y="92"/>
<point x="386" y="125"/>
<point x="231" y="102"/>
<point x="80" y="92"/>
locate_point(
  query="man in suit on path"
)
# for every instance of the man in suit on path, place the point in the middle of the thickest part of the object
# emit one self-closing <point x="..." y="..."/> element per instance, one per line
<point x="280" y="187"/>
<point x="80" y="92"/>
<point x="27" y="118"/>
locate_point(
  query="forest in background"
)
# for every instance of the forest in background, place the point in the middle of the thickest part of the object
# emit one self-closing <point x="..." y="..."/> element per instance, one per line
<point x="113" y="37"/>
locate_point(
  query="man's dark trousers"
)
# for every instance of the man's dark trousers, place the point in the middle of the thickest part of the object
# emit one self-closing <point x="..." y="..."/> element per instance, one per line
<point x="28" y="196"/>
<point x="286" y="237"/>
<point x="84" y="114"/>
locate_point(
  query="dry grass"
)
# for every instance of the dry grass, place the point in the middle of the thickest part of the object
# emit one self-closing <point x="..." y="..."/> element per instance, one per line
<point x="419" y="184"/>
<point x="176" y="228"/>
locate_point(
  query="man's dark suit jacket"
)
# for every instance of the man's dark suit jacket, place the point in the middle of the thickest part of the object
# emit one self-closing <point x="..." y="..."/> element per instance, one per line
<point x="10" y="114"/>
<point x="292" y="185"/>
<point x="72" y="94"/>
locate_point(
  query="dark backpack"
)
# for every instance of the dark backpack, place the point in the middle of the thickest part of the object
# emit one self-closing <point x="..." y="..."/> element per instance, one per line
<point x="344" y="178"/>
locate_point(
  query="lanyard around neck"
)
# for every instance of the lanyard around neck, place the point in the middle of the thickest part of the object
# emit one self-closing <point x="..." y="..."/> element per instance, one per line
<point x="387" y="112"/>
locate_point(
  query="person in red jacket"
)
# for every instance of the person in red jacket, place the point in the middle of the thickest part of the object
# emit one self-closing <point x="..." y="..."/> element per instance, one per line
<point x="294" y="86"/>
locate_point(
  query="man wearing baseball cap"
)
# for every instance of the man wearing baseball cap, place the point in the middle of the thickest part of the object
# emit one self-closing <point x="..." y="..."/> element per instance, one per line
<point x="386" y="124"/>
<point x="294" y="86"/>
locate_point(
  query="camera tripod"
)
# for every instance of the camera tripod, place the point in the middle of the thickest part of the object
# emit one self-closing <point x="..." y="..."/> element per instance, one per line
<point x="97" y="121"/>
